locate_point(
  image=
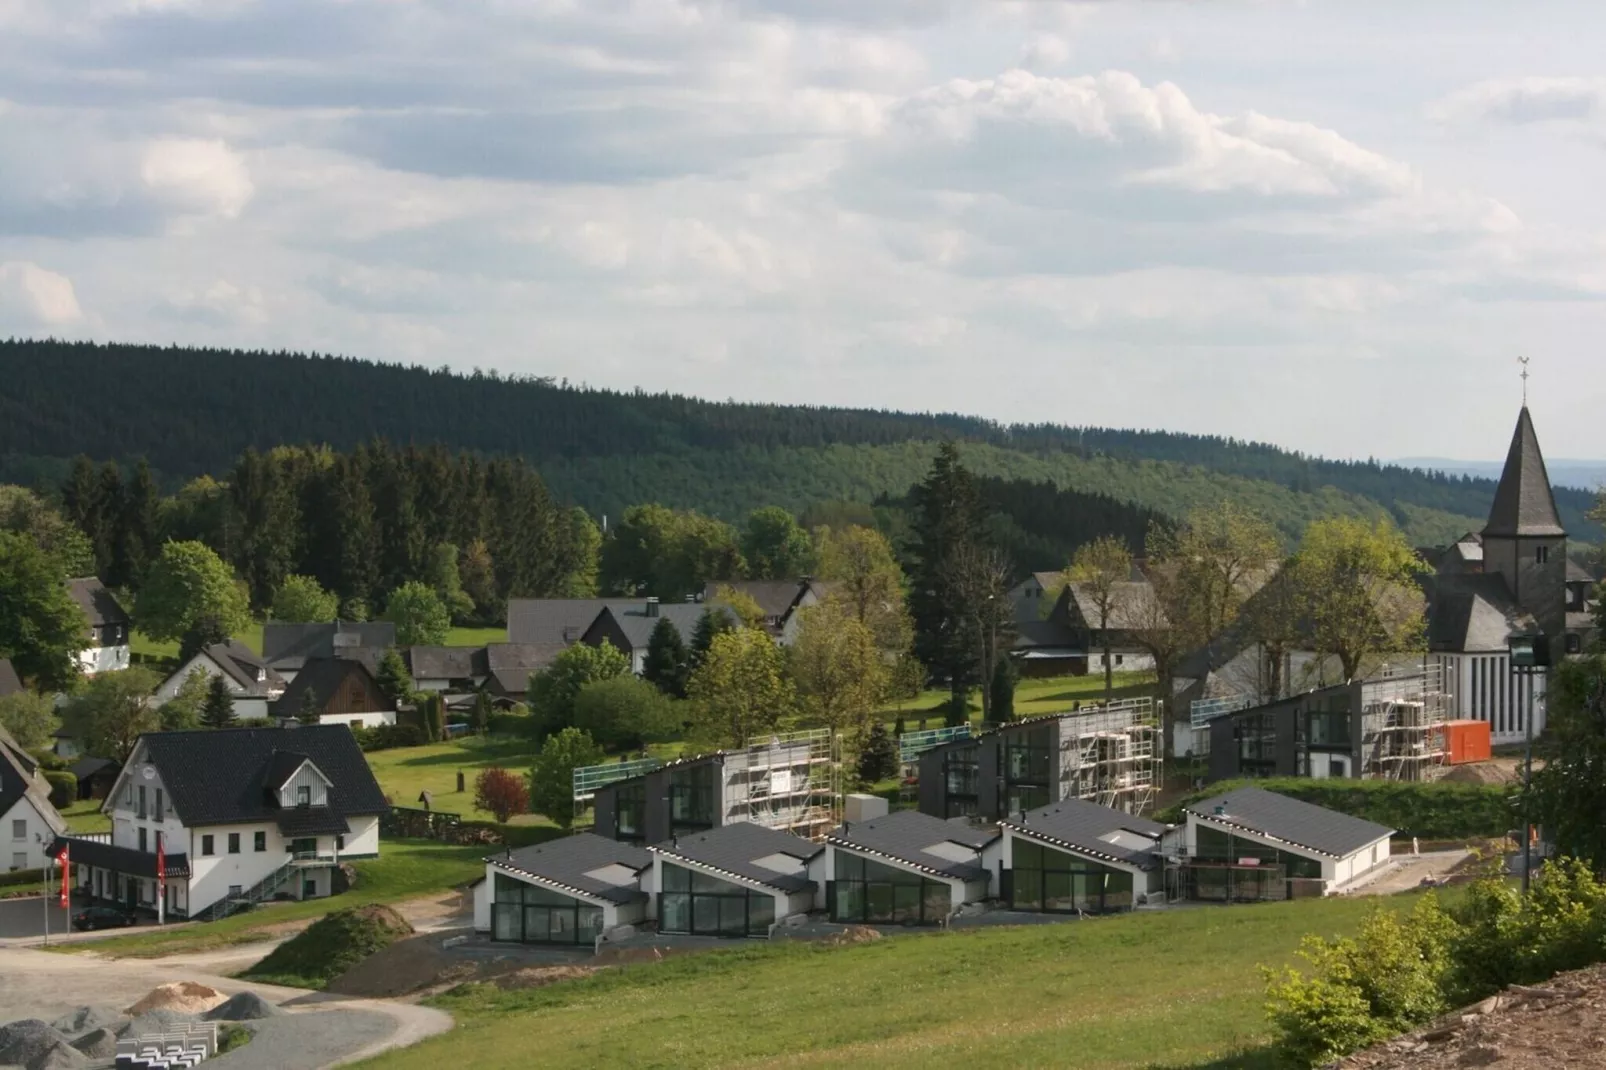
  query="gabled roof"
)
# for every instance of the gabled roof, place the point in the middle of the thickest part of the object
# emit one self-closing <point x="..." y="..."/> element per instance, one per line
<point x="20" y="779"/>
<point x="1299" y="824"/>
<point x="735" y="849"/>
<point x="221" y="776"/>
<point x="87" y="767"/>
<point x="10" y="684"/>
<point x="1471" y="611"/>
<point x="638" y="626"/>
<point x="1045" y="636"/>
<point x="98" y="603"/>
<point x="285" y="764"/>
<point x="1576" y="573"/>
<point x="1094" y="830"/>
<point x="242" y="666"/>
<point x="510" y="664"/>
<point x="906" y="838"/>
<point x="321" y="677"/>
<point x="570" y="862"/>
<point x="776" y="598"/>
<point x="446" y="662"/>
<point x="555" y="620"/>
<point x="1524" y="503"/>
<point x="289" y="646"/>
<point x="1132" y="605"/>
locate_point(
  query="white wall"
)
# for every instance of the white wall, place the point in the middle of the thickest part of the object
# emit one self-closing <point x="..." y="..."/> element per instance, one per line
<point x="367" y="720"/>
<point x="1143" y="880"/>
<point x="305" y="777"/>
<point x="1482" y="688"/>
<point x="103" y="659"/>
<point x="29" y="840"/>
<point x="613" y="914"/>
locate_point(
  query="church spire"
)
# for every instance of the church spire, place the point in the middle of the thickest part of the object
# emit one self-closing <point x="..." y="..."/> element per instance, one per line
<point x="1524" y="504"/>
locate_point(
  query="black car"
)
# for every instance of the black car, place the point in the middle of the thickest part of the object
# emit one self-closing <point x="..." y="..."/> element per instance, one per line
<point x="102" y="918"/>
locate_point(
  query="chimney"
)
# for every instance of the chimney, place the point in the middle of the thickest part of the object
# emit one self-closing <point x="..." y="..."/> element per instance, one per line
<point x="652" y="607"/>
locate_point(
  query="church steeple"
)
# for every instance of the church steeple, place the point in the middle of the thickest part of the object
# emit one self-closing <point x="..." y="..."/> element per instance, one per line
<point x="1524" y="505"/>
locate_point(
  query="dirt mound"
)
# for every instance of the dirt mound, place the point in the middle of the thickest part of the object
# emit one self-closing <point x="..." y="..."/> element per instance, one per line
<point x="185" y="997"/>
<point x="405" y="966"/>
<point x="541" y="976"/>
<point x="331" y="946"/>
<point x="81" y="1019"/>
<point x="855" y="934"/>
<point x="1495" y="771"/>
<point x="1557" y="1024"/>
<point x="242" y="1007"/>
<point x="23" y="1042"/>
<point x="97" y="1044"/>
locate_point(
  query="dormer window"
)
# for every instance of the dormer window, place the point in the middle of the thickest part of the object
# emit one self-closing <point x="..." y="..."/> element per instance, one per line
<point x="303" y="795"/>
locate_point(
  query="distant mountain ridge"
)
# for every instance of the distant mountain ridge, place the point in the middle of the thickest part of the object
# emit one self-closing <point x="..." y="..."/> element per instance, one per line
<point x="192" y="411"/>
<point x="1564" y="471"/>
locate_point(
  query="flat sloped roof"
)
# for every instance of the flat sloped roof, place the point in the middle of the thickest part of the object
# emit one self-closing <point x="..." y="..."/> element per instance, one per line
<point x="1300" y="824"/>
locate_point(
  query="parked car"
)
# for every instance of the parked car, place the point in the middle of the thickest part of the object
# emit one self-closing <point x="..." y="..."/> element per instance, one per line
<point x="102" y="917"/>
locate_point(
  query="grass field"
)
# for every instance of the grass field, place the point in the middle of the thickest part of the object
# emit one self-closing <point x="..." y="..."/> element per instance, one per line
<point x="406" y="771"/>
<point x="1053" y="694"/>
<point x="1178" y="988"/>
<point x="406" y="869"/>
<point x="252" y="638"/>
<point x="85" y="816"/>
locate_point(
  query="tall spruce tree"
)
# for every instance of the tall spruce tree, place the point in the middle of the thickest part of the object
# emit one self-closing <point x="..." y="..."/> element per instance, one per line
<point x="136" y="538"/>
<point x="947" y="522"/>
<point x="108" y="512"/>
<point x="80" y="497"/>
<point x="218" y="709"/>
<point x="266" y="523"/>
<point x="711" y="624"/>
<point x="667" y="663"/>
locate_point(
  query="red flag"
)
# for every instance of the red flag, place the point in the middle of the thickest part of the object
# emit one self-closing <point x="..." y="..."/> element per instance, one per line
<point x="66" y="875"/>
<point x="161" y="866"/>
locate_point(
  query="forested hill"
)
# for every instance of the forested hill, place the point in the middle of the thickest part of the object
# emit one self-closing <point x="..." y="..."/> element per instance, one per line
<point x="192" y="411"/>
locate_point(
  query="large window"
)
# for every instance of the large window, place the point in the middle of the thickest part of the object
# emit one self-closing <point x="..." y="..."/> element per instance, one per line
<point x="1326" y="724"/>
<point x="1257" y="744"/>
<point x="1028" y="768"/>
<point x="630" y="811"/>
<point x="1051" y="881"/>
<point x="1216" y="845"/>
<point x="867" y="891"/>
<point x="697" y="903"/>
<point x="529" y="914"/>
<point x="961" y="775"/>
<point x="691" y="798"/>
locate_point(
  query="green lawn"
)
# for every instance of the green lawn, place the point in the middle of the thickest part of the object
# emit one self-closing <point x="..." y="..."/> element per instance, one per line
<point x="252" y="638"/>
<point x="85" y="816"/>
<point x="1052" y="694"/>
<point x="404" y="772"/>
<point x="406" y="869"/>
<point x="1178" y="988"/>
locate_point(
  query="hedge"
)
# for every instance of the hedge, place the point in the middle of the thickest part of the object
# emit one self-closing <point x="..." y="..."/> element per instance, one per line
<point x="1430" y="811"/>
<point x="63" y="788"/>
<point x="21" y="876"/>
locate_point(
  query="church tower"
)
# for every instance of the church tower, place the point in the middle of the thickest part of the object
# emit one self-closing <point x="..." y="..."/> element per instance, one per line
<point x="1524" y="541"/>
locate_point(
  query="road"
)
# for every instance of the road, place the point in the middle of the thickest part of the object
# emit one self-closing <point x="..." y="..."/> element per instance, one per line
<point x="22" y="918"/>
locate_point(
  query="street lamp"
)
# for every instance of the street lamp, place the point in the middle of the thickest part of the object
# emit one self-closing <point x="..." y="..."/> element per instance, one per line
<point x="1530" y="654"/>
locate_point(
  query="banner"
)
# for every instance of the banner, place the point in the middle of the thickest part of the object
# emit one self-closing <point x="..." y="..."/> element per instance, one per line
<point x="161" y="881"/>
<point x="66" y="875"/>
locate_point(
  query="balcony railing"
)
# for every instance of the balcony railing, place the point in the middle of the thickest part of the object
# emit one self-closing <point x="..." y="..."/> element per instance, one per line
<point x="311" y="858"/>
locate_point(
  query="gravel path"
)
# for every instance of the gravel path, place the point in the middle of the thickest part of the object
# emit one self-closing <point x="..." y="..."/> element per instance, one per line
<point x="308" y="1040"/>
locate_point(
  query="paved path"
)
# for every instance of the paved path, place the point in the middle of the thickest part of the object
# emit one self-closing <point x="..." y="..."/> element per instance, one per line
<point x="43" y="984"/>
<point x="1405" y="872"/>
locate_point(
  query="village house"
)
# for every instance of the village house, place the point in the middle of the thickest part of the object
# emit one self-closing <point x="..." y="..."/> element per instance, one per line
<point x="28" y="822"/>
<point x="738" y="880"/>
<point x="106" y="645"/>
<point x="1076" y="857"/>
<point x="250" y="681"/>
<point x="568" y="891"/>
<point x="287" y="647"/>
<point x="628" y="628"/>
<point x="907" y="868"/>
<point x="780" y="601"/>
<point x="343" y="690"/>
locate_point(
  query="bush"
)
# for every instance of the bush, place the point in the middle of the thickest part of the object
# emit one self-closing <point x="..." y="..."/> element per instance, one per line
<point x="625" y="712"/>
<point x="63" y="788"/>
<point x="253" y="722"/>
<point x="330" y="946"/>
<point x="511" y="723"/>
<point x="389" y="736"/>
<point x="1432" y="811"/>
<point x="18" y="877"/>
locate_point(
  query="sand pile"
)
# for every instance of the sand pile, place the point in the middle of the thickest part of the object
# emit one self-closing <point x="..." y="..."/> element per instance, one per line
<point x="97" y="1044"/>
<point x="185" y="997"/>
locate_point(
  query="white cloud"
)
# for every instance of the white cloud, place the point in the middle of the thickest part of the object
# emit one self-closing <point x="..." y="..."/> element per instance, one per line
<point x="198" y="177"/>
<point x="1521" y="101"/>
<point x="1045" y="51"/>
<point x="32" y="296"/>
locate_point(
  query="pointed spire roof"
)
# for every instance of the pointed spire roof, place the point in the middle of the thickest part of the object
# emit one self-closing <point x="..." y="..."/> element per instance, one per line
<point x="1524" y="503"/>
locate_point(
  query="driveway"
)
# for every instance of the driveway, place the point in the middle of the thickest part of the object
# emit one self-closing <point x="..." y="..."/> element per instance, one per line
<point x="23" y="918"/>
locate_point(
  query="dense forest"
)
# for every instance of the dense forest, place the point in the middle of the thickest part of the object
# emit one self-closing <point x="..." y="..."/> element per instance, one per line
<point x="192" y="411"/>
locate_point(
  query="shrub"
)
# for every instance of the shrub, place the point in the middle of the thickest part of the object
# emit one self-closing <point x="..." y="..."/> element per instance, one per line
<point x="511" y="723"/>
<point x="19" y="877"/>
<point x="388" y="736"/>
<point x="501" y="793"/>
<point x="1432" y="811"/>
<point x="63" y="788"/>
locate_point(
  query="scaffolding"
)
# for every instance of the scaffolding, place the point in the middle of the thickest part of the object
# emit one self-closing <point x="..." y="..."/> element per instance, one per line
<point x="1112" y="755"/>
<point x="1402" y="726"/>
<point x="791" y="781"/>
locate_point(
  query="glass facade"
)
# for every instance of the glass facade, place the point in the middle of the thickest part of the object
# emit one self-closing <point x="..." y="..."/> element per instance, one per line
<point x="866" y="891"/>
<point x="1215" y="845"/>
<point x="530" y="914"/>
<point x="630" y="811"/>
<point x="1028" y="768"/>
<point x="704" y="905"/>
<point x="1053" y="882"/>
<point x="691" y="798"/>
<point x="1257" y="745"/>
<point x="961" y="779"/>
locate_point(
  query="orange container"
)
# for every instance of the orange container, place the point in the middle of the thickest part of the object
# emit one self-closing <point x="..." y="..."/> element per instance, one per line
<point x="1466" y="741"/>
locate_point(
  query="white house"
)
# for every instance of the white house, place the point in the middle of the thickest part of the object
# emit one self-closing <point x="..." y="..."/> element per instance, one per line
<point x="1076" y="857"/>
<point x="908" y="868"/>
<point x="734" y="881"/>
<point x="243" y="815"/>
<point x="1278" y="846"/>
<point x="106" y="644"/>
<point x="252" y="683"/>
<point x="28" y="823"/>
<point x="572" y="890"/>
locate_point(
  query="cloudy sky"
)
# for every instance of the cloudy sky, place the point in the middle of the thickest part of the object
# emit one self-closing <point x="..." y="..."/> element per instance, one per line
<point x="1331" y="225"/>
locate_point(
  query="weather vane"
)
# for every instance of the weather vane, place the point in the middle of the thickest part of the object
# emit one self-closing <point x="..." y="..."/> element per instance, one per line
<point x="1524" y="362"/>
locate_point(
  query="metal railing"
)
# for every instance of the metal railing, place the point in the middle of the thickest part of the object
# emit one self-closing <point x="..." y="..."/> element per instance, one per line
<point x="1202" y="711"/>
<point x="912" y="745"/>
<point x="587" y="779"/>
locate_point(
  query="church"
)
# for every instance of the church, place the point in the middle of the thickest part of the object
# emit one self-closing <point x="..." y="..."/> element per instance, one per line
<point x="1513" y="577"/>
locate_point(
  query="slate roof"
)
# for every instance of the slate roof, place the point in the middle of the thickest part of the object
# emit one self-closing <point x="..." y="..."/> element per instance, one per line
<point x="637" y="626"/>
<point x="1524" y="504"/>
<point x="1471" y="612"/>
<point x="1045" y="636"/>
<point x="321" y="676"/>
<point x="98" y="603"/>
<point x="732" y="849"/>
<point x="10" y="684"/>
<point x="510" y="664"/>
<point x="903" y="836"/>
<point x="84" y="768"/>
<point x="289" y="646"/>
<point x="19" y="779"/>
<point x="1300" y="824"/>
<point x="563" y="621"/>
<point x="1081" y="826"/>
<point x="565" y="863"/>
<point x="1577" y="573"/>
<point x="1131" y="605"/>
<point x="221" y="776"/>
<point x="446" y="662"/>
<point x="243" y="667"/>
<point x="775" y="597"/>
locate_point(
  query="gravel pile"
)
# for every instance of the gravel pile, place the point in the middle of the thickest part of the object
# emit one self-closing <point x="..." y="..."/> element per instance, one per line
<point x="155" y="1022"/>
<point x="59" y="1056"/>
<point x="30" y="1040"/>
<point x="83" y="1019"/>
<point x="242" y="1007"/>
<point x="97" y="1044"/>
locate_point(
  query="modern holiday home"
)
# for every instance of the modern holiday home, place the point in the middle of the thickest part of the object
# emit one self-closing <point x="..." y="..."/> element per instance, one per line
<point x="567" y="891"/>
<point x="907" y="868"/>
<point x="736" y="881"/>
<point x="1076" y="857"/>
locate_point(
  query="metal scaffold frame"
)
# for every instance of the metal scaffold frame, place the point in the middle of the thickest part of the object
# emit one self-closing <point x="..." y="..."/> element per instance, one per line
<point x="1402" y="726"/>
<point x="791" y="781"/>
<point x="1113" y="755"/>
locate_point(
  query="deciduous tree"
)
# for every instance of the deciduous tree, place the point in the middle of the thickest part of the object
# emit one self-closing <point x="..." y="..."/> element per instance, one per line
<point x="189" y="585"/>
<point x="41" y="627"/>
<point x="552" y="690"/>
<point x="775" y="546"/>
<point x="840" y="672"/>
<point x="22" y="512"/>
<point x="741" y="689"/>
<point x="1357" y="580"/>
<point x="865" y="577"/>
<point x="301" y="600"/>
<point x="1102" y="571"/>
<point x="183" y="710"/>
<point x="420" y="617"/>
<point x="501" y="793"/>
<point x="552" y="778"/>
<point x="1569" y="788"/>
<point x="441" y="574"/>
<point x="624" y="712"/>
<point x="656" y="550"/>
<point x="30" y="718"/>
<point x="111" y="711"/>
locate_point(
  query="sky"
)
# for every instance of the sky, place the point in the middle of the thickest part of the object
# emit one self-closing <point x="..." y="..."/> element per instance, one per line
<point x="1329" y="225"/>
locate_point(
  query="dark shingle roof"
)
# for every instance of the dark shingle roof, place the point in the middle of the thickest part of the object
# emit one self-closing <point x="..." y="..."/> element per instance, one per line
<point x="446" y="662"/>
<point x="10" y="684"/>
<point x="566" y="862"/>
<point x="1082" y="826"/>
<point x="555" y="620"/>
<point x="98" y="604"/>
<point x="1300" y="824"/>
<point x="243" y="667"/>
<point x="1470" y="611"/>
<point x="775" y="597"/>
<point x="19" y="778"/>
<point x="904" y="836"/>
<point x="290" y="645"/>
<point x="220" y="776"/>
<point x="637" y="625"/>
<point x="120" y="859"/>
<point x="321" y="676"/>
<point x="734" y="849"/>
<point x="87" y="767"/>
<point x="510" y="664"/>
<point x="1032" y="635"/>
<point x="1524" y="504"/>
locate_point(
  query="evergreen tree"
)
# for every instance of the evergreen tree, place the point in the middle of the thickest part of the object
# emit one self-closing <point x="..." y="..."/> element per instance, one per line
<point x="108" y="513"/>
<point x="309" y="713"/>
<point x="394" y="681"/>
<point x="479" y="717"/>
<point x="1003" y="690"/>
<point x="266" y="523"/>
<point x="947" y="526"/>
<point x="878" y="760"/>
<point x="218" y="709"/>
<point x="711" y="624"/>
<point x="136" y="537"/>
<point x="667" y="662"/>
<point x="80" y="498"/>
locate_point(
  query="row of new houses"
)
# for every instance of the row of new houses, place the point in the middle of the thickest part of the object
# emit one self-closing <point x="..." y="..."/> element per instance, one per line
<point x="909" y="868"/>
